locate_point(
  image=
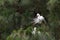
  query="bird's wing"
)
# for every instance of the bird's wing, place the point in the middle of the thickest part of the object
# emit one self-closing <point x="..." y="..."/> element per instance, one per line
<point x="36" y="20"/>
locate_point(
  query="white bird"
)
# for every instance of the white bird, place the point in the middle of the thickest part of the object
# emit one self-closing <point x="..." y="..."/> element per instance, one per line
<point x="38" y="19"/>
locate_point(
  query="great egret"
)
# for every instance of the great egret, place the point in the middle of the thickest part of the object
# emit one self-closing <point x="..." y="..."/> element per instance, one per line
<point x="39" y="19"/>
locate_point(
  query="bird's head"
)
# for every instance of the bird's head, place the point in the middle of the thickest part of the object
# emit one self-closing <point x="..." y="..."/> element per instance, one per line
<point x="38" y="14"/>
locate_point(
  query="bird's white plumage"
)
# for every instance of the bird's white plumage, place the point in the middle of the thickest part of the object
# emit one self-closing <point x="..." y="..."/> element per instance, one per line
<point x="39" y="18"/>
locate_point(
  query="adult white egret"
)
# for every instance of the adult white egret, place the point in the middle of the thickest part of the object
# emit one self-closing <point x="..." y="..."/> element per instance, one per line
<point x="39" y="19"/>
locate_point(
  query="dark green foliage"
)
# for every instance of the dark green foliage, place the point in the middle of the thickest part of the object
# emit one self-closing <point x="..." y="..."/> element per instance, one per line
<point x="16" y="15"/>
